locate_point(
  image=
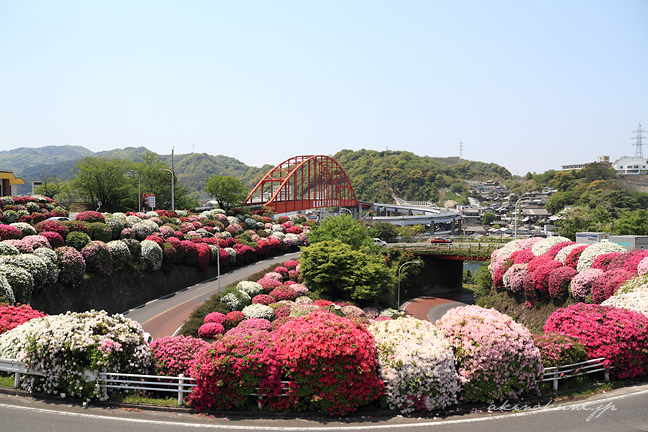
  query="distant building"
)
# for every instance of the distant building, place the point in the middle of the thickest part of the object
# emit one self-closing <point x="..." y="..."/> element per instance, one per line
<point x="9" y="183"/>
<point x="601" y="159"/>
<point x="631" y="166"/>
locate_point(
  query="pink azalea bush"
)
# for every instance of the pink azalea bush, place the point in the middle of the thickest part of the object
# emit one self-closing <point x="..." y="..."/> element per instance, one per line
<point x="539" y="279"/>
<point x="581" y="284"/>
<point x="331" y="362"/>
<point x="559" y="280"/>
<point x="284" y="293"/>
<point x="607" y="284"/>
<point x="269" y="284"/>
<point x="514" y="277"/>
<point x="211" y="330"/>
<point x="97" y="258"/>
<point x="172" y="356"/>
<point x="216" y="317"/>
<point x="619" y="335"/>
<point x="522" y="257"/>
<point x="634" y="258"/>
<point x="72" y="266"/>
<point x="496" y="357"/>
<point x="228" y="371"/>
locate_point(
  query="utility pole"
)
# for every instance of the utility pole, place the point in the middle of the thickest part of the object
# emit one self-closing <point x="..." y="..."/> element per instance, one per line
<point x="460" y="149"/>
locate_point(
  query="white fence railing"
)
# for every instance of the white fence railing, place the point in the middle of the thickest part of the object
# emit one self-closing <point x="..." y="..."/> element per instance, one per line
<point x="182" y="385"/>
<point x="568" y="371"/>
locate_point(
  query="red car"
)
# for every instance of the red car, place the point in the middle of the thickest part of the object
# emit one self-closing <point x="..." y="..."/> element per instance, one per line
<point x="440" y="240"/>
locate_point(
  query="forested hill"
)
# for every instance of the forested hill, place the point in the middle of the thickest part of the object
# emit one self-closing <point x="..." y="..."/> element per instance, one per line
<point x="377" y="176"/>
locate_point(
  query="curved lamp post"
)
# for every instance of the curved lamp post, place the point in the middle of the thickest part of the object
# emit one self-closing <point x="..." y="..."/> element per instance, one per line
<point x="172" y="187"/>
<point x="344" y="208"/>
<point x="217" y="259"/>
<point x="399" y="273"/>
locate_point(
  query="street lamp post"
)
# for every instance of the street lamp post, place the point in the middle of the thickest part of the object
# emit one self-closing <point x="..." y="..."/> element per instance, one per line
<point x="172" y="187"/>
<point x="399" y="273"/>
<point x="217" y="260"/>
<point x="139" y="190"/>
<point x="516" y="217"/>
<point x="344" y="208"/>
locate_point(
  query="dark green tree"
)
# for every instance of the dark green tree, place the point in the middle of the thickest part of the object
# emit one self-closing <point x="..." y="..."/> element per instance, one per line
<point x="101" y="180"/>
<point x="228" y="191"/>
<point x="343" y="228"/>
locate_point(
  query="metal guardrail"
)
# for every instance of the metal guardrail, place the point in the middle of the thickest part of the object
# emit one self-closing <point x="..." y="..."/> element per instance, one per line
<point x="182" y="384"/>
<point x="572" y="370"/>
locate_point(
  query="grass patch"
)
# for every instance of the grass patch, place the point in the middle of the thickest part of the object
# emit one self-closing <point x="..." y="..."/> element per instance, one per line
<point x="6" y="380"/>
<point x="138" y="398"/>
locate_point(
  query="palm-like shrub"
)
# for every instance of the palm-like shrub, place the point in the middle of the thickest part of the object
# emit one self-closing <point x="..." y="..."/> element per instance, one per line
<point x="78" y="240"/>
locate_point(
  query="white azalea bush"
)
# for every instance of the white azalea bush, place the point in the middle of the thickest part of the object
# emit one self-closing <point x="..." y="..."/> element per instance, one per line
<point x="14" y="341"/>
<point x="20" y="281"/>
<point x="258" y="311"/>
<point x="564" y="252"/>
<point x="416" y="363"/>
<point x="543" y="246"/>
<point x="390" y="313"/>
<point x="73" y="348"/>
<point x="151" y="257"/>
<point x="635" y="301"/>
<point x="34" y="265"/>
<point x="251" y="288"/>
<point x="235" y="299"/>
<point x="591" y="252"/>
<point x="119" y="253"/>
<point x="6" y="292"/>
<point x="51" y="261"/>
<point x="8" y="249"/>
<point x="25" y="228"/>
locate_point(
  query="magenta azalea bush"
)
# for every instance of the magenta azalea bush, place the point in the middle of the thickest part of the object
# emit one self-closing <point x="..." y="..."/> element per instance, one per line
<point x="619" y="335"/>
<point x="98" y="258"/>
<point x="72" y="266"/>
<point x="211" y="330"/>
<point x="13" y="316"/>
<point x="284" y="293"/>
<point x="172" y="356"/>
<point x="331" y="362"/>
<point x="559" y="280"/>
<point x="230" y="370"/>
<point x="496" y="357"/>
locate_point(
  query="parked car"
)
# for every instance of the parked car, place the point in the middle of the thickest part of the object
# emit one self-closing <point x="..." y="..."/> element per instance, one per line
<point x="58" y="218"/>
<point x="440" y="240"/>
<point x="379" y="242"/>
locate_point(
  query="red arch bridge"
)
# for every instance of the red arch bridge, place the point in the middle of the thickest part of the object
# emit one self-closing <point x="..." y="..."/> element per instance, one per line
<point x="302" y="183"/>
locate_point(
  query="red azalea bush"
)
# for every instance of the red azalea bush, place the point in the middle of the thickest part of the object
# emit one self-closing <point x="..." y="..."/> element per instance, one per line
<point x="539" y="279"/>
<point x="322" y="303"/>
<point x="172" y="356"/>
<point x="211" y="330"/>
<point x="607" y="284"/>
<point x="283" y="271"/>
<point x="522" y="256"/>
<point x="8" y="232"/>
<point x="574" y="255"/>
<point x="634" y="258"/>
<point x="77" y="226"/>
<point x="602" y="262"/>
<point x="557" y="349"/>
<point x="284" y="293"/>
<point x="157" y="239"/>
<point x="204" y="254"/>
<point x="169" y="255"/>
<point x="228" y="371"/>
<point x="553" y="250"/>
<point x="269" y="284"/>
<point x="263" y="299"/>
<point x="53" y="226"/>
<point x="619" y="335"/>
<point x="190" y="255"/>
<point x="13" y="316"/>
<point x="559" y="280"/>
<point x="537" y="262"/>
<point x="498" y="276"/>
<point x="331" y="362"/>
<point x="234" y="318"/>
<point x="55" y="239"/>
<point x="90" y="216"/>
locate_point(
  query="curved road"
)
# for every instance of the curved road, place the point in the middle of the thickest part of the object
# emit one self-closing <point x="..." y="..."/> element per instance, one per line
<point x="162" y="317"/>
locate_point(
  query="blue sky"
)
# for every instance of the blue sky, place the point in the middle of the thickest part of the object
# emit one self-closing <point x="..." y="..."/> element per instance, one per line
<point x="528" y="85"/>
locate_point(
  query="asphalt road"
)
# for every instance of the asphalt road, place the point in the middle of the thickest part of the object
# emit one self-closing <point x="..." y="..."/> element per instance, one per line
<point x="618" y="410"/>
<point x="162" y="317"/>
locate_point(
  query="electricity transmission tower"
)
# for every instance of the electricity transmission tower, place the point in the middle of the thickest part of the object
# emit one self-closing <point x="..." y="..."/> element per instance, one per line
<point x="638" y="142"/>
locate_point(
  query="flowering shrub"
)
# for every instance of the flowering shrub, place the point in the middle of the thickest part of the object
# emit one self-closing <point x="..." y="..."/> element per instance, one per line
<point x="634" y="258"/>
<point x="263" y="299"/>
<point x="8" y="232"/>
<point x="6" y="292"/>
<point x="539" y="279"/>
<point x="581" y="284"/>
<point x="608" y="283"/>
<point x="234" y="318"/>
<point x="291" y="264"/>
<point x="151" y="258"/>
<point x="269" y="284"/>
<point x="274" y="275"/>
<point x="119" y="253"/>
<point x="590" y="253"/>
<point x="211" y="330"/>
<point x="284" y="293"/>
<point x="53" y="238"/>
<point x="495" y="355"/>
<point x="25" y="228"/>
<point x="303" y="309"/>
<point x="331" y="361"/>
<point x="299" y="288"/>
<point x="70" y="343"/>
<point x="51" y="262"/>
<point x="557" y="349"/>
<point x="13" y="316"/>
<point x="258" y="311"/>
<point x="574" y="256"/>
<point x="603" y="261"/>
<point x="352" y="311"/>
<point x="634" y="300"/>
<point x="78" y="240"/>
<point x="251" y="288"/>
<point x="216" y="317"/>
<point x="7" y="248"/>
<point x="416" y="363"/>
<point x="558" y="247"/>
<point x="619" y="335"/>
<point x="514" y="277"/>
<point x="543" y="246"/>
<point x="562" y="253"/>
<point x="522" y="256"/>
<point x="20" y="281"/>
<point x="98" y="258"/>
<point x="235" y="299"/>
<point x="389" y="312"/>
<point x="281" y="310"/>
<point x="36" y="242"/>
<point x="90" y="216"/>
<point x="228" y="371"/>
<point x="559" y="280"/>
<point x="172" y="356"/>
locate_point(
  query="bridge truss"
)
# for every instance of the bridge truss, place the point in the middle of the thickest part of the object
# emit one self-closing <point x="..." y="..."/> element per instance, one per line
<point x="301" y="183"/>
